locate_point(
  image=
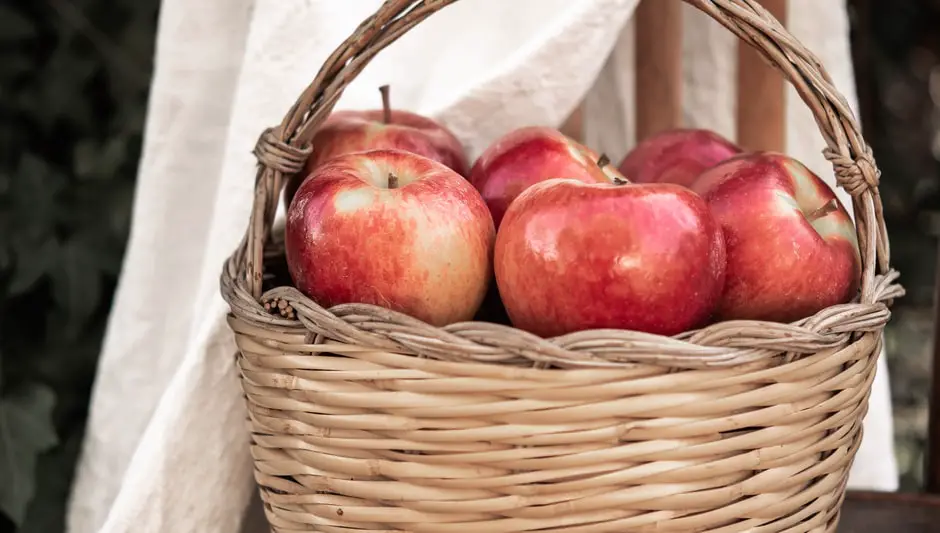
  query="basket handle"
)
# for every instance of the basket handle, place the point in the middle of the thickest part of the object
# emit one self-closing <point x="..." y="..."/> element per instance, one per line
<point x="282" y="150"/>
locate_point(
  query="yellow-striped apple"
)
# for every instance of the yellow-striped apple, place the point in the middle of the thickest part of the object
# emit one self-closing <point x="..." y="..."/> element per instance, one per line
<point x="676" y="156"/>
<point x="529" y="155"/>
<point x="572" y="256"/>
<point x="349" y="131"/>
<point x="394" y="229"/>
<point x="792" y="249"/>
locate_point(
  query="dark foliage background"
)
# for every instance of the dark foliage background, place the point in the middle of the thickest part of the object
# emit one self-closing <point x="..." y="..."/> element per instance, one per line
<point x="896" y="49"/>
<point x="74" y="78"/>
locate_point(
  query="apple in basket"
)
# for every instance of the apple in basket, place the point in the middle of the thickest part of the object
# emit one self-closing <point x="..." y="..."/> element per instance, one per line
<point x="572" y="256"/>
<point x="676" y="156"/>
<point x="394" y="229"/>
<point x="791" y="245"/>
<point x="349" y="131"/>
<point x="528" y="155"/>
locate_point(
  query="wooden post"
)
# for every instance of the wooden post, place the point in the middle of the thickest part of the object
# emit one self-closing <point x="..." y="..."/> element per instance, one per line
<point x="658" y="66"/>
<point x="932" y="452"/>
<point x="761" y="113"/>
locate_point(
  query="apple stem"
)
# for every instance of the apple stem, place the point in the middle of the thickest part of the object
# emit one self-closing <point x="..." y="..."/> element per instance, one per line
<point x="386" y="104"/>
<point x="823" y="210"/>
<point x="392" y="181"/>
<point x="603" y="161"/>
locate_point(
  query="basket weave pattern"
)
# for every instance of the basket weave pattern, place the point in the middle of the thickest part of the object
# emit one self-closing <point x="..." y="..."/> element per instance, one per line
<point x="363" y="419"/>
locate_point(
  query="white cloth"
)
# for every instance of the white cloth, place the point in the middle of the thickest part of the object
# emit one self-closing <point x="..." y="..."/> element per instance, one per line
<point x="166" y="448"/>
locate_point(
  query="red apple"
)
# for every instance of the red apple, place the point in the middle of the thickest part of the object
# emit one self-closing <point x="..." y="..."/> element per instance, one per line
<point x="528" y="155"/>
<point x="676" y="156"/>
<point x="350" y="131"/>
<point x="571" y="256"/>
<point x="792" y="249"/>
<point x="391" y="228"/>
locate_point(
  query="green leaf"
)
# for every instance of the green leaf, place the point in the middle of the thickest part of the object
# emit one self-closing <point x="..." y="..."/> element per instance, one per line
<point x="54" y="476"/>
<point x="60" y="97"/>
<point x="14" y="26"/>
<point x="76" y="283"/>
<point x="32" y="263"/>
<point x="33" y="197"/>
<point x="26" y="431"/>
<point x="85" y="156"/>
<point x="94" y="161"/>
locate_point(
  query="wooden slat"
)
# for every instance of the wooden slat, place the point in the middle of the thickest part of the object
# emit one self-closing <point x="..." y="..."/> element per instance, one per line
<point x="658" y="66"/>
<point x="761" y="110"/>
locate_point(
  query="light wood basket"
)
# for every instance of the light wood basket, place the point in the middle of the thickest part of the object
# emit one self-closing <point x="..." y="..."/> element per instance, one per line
<point x="363" y="419"/>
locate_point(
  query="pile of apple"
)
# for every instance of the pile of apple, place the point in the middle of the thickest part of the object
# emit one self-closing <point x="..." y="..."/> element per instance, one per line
<point x="689" y="229"/>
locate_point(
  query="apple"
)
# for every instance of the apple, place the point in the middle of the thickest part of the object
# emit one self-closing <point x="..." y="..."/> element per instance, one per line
<point x="394" y="229"/>
<point x="529" y="155"/>
<point x="676" y="156"/>
<point x="349" y="131"/>
<point x="791" y="245"/>
<point x="571" y="256"/>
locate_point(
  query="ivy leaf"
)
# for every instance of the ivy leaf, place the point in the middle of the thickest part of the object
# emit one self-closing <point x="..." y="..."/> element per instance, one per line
<point x="33" y="193"/>
<point x="32" y="263"/>
<point x="76" y="283"/>
<point x="94" y="161"/>
<point x="26" y="431"/>
<point x="54" y="476"/>
<point x="60" y="96"/>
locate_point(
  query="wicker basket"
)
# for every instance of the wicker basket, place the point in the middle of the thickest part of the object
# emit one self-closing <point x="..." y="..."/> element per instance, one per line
<point x="363" y="419"/>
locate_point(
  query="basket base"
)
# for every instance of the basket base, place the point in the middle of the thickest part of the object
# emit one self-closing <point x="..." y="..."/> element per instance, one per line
<point x="346" y="438"/>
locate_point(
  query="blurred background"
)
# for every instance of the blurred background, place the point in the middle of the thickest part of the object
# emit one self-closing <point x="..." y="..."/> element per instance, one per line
<point x="74" y="80"/>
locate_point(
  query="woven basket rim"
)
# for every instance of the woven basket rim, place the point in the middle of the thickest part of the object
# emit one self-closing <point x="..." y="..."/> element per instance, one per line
<point x="283" y="149"/>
